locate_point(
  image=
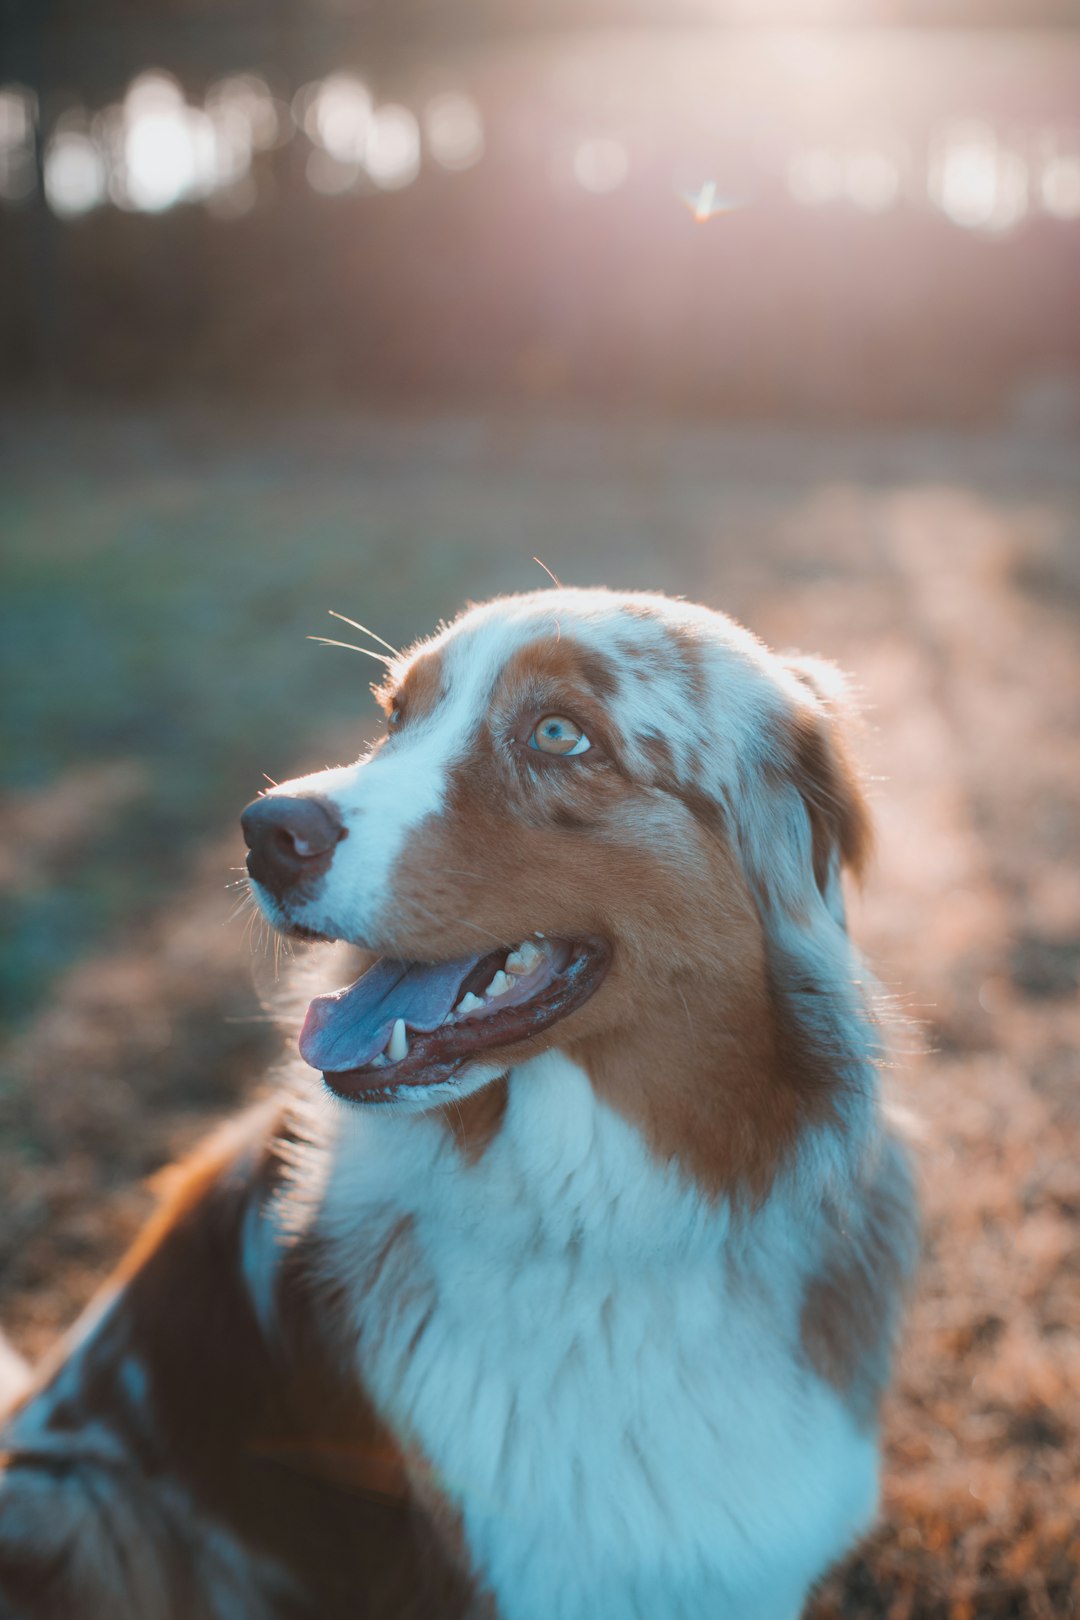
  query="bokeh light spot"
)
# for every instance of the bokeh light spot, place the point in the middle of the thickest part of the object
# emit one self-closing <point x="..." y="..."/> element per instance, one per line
<point x="454" y="130"/>
<point x="393" y="151"/>
<point x="169" y="149"/>
<point x="1059" y="176"/>
<point x="246" y="98"/>
<point x="338" y="117"/>
<point x="75" y="177"/>
<point x="601" y="164"/>
<point x="976" y="181"/>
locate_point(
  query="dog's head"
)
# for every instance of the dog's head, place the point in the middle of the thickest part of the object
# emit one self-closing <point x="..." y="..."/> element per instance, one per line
<point x="610" y="823"/>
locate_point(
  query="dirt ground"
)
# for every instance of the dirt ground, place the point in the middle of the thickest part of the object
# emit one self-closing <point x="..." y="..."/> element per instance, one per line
<point x="161" y="573"/>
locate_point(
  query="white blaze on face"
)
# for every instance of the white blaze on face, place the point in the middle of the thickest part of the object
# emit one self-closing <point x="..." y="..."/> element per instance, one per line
<point x="383" y="799"/>
<point x="379" y="801"/>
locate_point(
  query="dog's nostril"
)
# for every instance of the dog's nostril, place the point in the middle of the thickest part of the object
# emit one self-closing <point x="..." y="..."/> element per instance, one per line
<point x="290" y="843"/>
<point x="289" y="839"/>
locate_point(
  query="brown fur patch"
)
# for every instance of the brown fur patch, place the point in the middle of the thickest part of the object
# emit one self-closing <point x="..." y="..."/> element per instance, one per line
<point x="688" y="658"/>
<point x="658" y="751"/>
<point x="568" y="820"/>
<point x="702" y="806"/>
<point x="831" y="790"/>
<point x="814" y="743"/>
<point x="418" y="691"/>
<point x="599" y="673"/>
<point x="682" y="1037"/>
<point x="181" y="1188"/>
<point x="560" y="667"/>
<point x="850" y="1307"/>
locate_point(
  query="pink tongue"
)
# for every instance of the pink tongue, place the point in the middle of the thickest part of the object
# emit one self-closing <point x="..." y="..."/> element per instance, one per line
<point x="349" y="1028"/>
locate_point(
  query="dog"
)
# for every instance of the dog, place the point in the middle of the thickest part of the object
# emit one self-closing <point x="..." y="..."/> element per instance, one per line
<point x="571" y="1293"/>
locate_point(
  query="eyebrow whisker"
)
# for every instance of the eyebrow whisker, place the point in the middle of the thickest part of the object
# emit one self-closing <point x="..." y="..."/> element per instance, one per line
<point x="555" y="580"/>
<point x="356" y="625"/>
<point x="328" y="641"/>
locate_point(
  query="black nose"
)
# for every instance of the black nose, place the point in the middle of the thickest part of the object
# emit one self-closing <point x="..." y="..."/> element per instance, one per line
<point x="289" y="840"/>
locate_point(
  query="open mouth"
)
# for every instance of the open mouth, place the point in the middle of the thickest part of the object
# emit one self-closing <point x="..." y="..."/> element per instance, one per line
<point x="412" y="1024"/>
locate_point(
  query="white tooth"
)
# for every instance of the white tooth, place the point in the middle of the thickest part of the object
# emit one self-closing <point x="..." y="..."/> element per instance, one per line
<point x="468" y="1003"/>
<point x="379" y="1062"/>
<point x="398" y="1046"/>
<point x="499" y="985"/>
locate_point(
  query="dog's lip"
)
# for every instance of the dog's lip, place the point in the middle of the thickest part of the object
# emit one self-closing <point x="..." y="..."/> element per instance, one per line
<point x="437" y="1057"/>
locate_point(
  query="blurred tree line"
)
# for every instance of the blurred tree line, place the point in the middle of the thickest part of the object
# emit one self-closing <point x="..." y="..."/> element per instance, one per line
<point x="497" y="283"/>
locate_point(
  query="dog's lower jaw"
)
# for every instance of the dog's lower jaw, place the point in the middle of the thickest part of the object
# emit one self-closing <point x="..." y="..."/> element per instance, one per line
<point x="411" y="1100"/>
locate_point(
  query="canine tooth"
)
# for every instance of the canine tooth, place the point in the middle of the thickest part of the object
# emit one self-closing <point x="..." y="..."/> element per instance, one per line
<point x="525" y="957"/>
<point x="399" y="1044"/>
<point x="468" y="1003"/>
<point x="499" y="985"/>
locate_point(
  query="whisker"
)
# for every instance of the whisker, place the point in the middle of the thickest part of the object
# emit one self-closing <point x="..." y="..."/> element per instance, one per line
<point x="357" y="626"/>
<point x="245" y="897"/>
<point x="553" y="577"/>
<point x="328" y="641"/>
<point x="269" y="779"/>
<point x="259" y="933"/>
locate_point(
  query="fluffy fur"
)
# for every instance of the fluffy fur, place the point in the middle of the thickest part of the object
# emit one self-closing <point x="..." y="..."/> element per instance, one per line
<point x="600" y="1326"/>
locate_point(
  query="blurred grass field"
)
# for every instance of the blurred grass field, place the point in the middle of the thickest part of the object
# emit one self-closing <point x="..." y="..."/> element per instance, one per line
<point x="161" y="572"/>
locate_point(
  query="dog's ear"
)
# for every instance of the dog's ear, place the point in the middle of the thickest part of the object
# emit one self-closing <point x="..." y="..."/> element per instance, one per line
<point x="803" y="821"/>
<point x="804" y="815"/>
<point x="825" y="776"/>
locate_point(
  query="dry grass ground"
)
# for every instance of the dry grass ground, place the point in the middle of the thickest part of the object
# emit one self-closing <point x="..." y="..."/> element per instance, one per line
<point x="161" y="574"/>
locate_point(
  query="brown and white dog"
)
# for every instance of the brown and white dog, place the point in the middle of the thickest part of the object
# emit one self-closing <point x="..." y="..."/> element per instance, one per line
<point x="571" y="1295"/>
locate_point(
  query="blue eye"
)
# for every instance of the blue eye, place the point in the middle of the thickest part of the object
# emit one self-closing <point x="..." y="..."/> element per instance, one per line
<point x="555" y="734"/>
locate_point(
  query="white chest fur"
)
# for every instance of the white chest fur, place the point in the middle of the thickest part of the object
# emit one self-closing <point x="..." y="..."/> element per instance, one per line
<point x="601" y="1367"/>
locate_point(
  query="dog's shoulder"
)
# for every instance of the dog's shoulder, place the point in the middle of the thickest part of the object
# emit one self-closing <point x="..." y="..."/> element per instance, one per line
<point x="196" y="1447"/>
